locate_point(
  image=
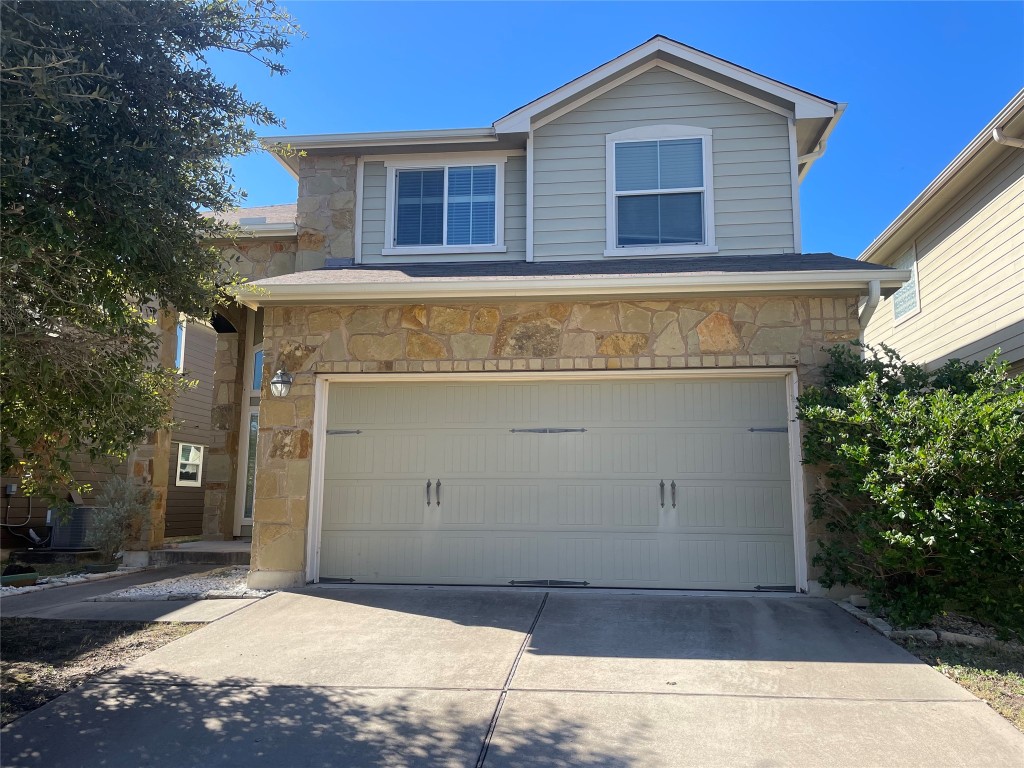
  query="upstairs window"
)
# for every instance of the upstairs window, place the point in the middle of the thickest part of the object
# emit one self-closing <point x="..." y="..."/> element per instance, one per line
<point x="447" y="208"/>
<point x="659" y="195"/>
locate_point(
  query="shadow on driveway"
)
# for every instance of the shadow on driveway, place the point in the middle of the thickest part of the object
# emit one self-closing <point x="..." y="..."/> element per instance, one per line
<point x="179" y="721"/>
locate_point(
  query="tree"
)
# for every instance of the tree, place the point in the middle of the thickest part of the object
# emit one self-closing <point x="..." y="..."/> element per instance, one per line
<point x="922" y="490"/>
<point x="115" y="139"/>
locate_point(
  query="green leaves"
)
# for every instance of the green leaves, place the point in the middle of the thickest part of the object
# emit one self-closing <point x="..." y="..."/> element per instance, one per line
<point x="923" y="483"/>
<point x="115" y="140"/>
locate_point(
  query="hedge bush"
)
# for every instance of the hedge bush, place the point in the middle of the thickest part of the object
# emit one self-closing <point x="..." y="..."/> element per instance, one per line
<point x="921" y="484"/>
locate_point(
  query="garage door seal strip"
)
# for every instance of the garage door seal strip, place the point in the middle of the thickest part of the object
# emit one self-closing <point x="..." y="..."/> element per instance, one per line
<point x="508" y="683"/>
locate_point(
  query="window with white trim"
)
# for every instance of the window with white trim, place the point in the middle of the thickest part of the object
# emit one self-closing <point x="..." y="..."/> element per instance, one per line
<point x="190" y="465"/>
<point x="659" y="191"/>
<point x="455" y="207"/>
<point x="906" y="302"/>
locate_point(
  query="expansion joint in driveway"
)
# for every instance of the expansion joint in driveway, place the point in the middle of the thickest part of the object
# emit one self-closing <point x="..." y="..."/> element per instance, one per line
<point x="508" y="684"/>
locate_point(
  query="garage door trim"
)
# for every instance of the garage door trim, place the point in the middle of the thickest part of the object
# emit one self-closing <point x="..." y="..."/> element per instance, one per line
<point x="322" y="382"/>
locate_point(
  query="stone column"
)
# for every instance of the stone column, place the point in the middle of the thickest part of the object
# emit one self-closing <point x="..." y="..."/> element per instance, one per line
<point x="283" y="461"/>
<point x="221" y="470"/>
<point x="150" y="461"/>
<point x="326" y="210"/>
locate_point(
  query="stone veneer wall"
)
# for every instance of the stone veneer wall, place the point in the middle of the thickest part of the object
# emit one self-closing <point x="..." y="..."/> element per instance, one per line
<point x="221" y="462"/>
<point x="253" y="259"/>
<point x="256" y="259"/>
<point x="150" y="461"/>
<point x="681" y="334"/>
<point x="326" y="209"/>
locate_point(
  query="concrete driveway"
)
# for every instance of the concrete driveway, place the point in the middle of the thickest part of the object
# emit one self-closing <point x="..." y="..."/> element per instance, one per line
<point x="359" y="676"/>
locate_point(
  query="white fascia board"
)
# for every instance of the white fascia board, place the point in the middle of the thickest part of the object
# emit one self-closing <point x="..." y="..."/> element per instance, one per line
<point x="945" y="178"/>
<point x="646" y="285"/>
<point x="804" y="104"/>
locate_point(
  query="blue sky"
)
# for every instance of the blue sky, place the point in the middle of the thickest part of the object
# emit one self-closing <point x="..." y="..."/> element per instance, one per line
<point x="921" y="79"/>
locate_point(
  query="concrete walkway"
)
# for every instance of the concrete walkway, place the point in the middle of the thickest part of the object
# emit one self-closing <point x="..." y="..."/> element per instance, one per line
<point x="73" y="601"/>
<point x="447" y="677"/>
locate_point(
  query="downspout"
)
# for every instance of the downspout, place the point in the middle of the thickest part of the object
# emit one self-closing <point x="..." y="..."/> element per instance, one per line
<point x="874" y="294"/>
<point x="1001" y="138"/>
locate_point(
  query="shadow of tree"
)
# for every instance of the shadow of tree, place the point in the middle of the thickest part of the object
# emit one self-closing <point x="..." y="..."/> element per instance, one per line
<point x="162" y="720"/>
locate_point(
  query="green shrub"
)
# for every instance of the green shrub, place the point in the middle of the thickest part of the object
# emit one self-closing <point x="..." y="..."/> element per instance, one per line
<point x="121" y="507"/>
<point x="921" y="484"/>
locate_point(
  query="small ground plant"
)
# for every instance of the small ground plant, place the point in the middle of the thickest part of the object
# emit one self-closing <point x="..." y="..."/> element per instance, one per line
<point x="921" y="488"/>
<point x="121" y="507"/>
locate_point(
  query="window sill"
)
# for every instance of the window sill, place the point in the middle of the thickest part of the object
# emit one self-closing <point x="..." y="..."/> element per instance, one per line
<point x="659" y="250"/>
<point x="431" y="250"/>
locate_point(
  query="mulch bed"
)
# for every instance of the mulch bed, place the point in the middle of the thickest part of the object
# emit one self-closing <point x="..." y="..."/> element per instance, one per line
<point x="41" y="658"/>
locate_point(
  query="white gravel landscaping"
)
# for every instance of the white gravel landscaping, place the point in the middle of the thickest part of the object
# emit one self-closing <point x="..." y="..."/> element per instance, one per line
<point x="48" y="582"/>
<point x="221" y="583"/>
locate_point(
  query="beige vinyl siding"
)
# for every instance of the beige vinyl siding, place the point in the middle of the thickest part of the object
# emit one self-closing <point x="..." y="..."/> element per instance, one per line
<point x="192" y="409"/>
<point x="970" y="264"/>
<point x="193" y="406"/>
<point x="752" y="185"/>
<point x="374" y="190"/>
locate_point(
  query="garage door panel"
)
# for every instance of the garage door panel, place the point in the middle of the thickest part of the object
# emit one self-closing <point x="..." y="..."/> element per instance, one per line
<point x="377" y="405"/>
<point x="373" y="504"/>
<point x="349" y="456"/>
<point x="462" y="558"/>
<point x="372" y="556"/>
<point x="731" y="507"/>
<point x="733" y="562"/>
<point x="729" y="403"/>
<point x="516" y="505"/>
<point x="465" y="503"/>
<point x="567" y="506"/>
<point x="516" y="558"/>
<point x="766" y="562"/>
<point x="735" y="453"/>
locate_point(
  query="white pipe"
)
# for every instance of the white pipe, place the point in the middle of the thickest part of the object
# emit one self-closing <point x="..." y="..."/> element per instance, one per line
<point x="1001" y="138"/>
<point x="874" y="294"/>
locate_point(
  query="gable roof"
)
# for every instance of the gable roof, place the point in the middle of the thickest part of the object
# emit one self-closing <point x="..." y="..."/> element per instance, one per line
<point x="981" y="153"/>
<point x="814" y="116"/>
<point x="698" y="62"/>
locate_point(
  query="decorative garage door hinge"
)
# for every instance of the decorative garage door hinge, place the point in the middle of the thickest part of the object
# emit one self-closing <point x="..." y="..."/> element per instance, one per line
<point x="344" y="431"/>
<point x="549" y="430"/>
<point x="548" y="583"/>
<point x="768" y="429"/>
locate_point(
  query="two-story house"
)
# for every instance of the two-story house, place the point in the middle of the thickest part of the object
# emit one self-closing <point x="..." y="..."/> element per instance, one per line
<point x="563" y="348"/>
<point x="962" y="238"/>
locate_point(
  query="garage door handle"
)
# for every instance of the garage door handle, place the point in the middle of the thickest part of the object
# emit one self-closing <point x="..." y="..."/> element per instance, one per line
<point x="661" y="493"/>
<point x="673" y="494"/>
<point x="438" y="489"/>
<point x="428" y="493"/>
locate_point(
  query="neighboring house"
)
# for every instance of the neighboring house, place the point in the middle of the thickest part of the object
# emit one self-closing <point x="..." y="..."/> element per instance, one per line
<point x="563" y="348"/>
<point x="185" y="495"/>
<point x="963" y="240"/>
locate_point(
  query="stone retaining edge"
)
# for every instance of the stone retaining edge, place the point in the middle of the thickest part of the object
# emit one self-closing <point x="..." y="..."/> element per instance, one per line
<point x="924" y="635"/>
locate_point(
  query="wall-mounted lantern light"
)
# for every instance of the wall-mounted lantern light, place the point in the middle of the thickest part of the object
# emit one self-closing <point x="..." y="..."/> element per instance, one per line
<point x="281" y="384"/>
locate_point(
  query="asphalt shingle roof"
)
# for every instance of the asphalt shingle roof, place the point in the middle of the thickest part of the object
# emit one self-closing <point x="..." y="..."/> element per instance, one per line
<point x="338" y="271"/>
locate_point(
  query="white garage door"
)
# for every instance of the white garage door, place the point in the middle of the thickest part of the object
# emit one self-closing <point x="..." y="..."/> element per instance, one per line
<point x="657" y="483"/>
